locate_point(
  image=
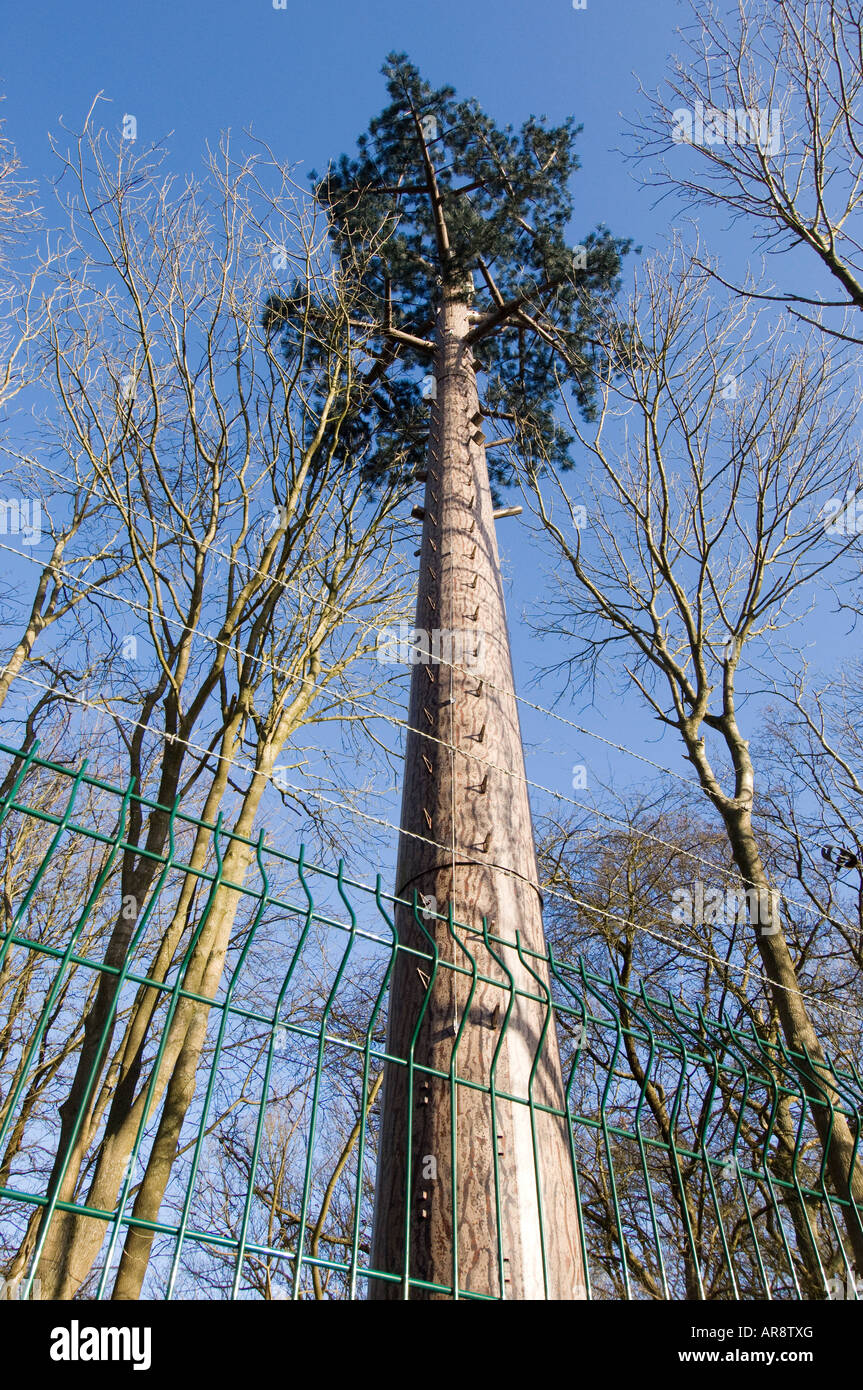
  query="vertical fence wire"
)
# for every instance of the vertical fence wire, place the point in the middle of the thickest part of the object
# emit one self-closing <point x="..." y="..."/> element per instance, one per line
<point x="695" y="1161"/>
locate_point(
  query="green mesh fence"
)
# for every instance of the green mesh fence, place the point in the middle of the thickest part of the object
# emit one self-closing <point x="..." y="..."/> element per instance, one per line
<point x="695" y="1160"/>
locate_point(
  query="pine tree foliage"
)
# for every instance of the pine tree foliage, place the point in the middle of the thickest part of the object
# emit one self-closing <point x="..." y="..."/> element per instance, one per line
<point x="441" y="196"/>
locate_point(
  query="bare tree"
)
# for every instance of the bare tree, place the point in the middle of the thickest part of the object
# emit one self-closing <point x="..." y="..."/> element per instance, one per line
<point x="761" y="115"/>
<point x="705" y="539"/>
<point x="23" y="307"/>
<point x="814" y="813"/>
<point x="41" y="505"/>
<point x="613" y="875"/>
<point x="260" y="563"/>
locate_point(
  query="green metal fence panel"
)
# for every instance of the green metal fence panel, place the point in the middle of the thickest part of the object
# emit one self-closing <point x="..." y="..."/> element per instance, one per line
<point x="695" y="1159"/>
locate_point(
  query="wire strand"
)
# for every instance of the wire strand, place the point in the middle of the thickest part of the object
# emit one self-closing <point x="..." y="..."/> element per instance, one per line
<point x="565" y="897"/>
<point x="404" y="724"/>
<point x="345" y="612"/>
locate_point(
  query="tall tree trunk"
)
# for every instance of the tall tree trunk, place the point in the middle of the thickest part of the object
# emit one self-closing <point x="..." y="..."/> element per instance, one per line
<point x="71" y="1241"/>
<point x="484" y="1157"/>
<point x="803" y="1213"/>
<point x="824" y="1101"/>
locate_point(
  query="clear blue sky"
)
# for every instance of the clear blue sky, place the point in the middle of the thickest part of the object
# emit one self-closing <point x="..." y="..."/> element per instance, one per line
<point x="306" y="78"/>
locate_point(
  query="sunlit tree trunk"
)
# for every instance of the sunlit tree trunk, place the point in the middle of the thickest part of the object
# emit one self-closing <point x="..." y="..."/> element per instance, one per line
<point x="467" y="1142"/>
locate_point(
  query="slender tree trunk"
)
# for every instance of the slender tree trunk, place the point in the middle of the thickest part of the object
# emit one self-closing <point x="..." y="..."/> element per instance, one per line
<point x="202" y="977"/>
<point x="804" y="1221"/>
<point x="690" y="1220"/>
<point x="466" y="1144"/>
<point x="72" y="1241"/>
<point x="41" y="614"/>
<point x="189" y="1028"/>
<point x="825" y="1103"/>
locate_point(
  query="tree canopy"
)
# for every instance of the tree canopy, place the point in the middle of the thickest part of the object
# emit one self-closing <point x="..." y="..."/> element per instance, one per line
<point x="448" y="198"/>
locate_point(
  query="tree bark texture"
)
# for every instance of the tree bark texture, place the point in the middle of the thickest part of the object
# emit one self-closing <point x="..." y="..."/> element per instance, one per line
<point x="468" y="1144"/>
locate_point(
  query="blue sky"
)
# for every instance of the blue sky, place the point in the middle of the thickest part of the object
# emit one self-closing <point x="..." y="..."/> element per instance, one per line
<point x="307" y="79"/>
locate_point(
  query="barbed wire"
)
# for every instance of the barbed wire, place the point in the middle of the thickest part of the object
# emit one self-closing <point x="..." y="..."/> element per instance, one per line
<point x="290" y="582"/>
<point x="399" y="722"/>
<point x="425" y="839"/>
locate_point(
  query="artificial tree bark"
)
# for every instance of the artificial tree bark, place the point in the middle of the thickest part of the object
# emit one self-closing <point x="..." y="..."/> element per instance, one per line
<point x="467" y="1139"/>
